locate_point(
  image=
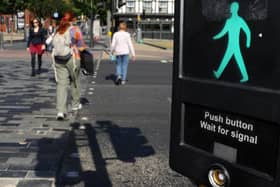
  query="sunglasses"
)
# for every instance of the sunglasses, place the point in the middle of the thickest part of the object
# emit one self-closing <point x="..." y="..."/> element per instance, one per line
<point x="35" y="22"/>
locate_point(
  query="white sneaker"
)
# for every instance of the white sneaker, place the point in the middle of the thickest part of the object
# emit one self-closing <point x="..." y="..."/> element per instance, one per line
<point x="78" y="108"/>
<point x="123" y="82"/>
<point x="82" y="127"/>
<point x="60" y="116"/>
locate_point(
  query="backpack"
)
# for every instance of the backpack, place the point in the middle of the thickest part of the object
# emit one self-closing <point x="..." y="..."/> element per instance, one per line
<point x="62" y="47"/>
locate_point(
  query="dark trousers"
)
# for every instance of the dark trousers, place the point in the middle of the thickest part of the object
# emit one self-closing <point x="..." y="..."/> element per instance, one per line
<point x="33" y="61"/>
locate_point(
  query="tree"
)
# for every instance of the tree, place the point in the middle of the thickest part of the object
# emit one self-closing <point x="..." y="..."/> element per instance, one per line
<point x="12" y="6"/>
<point x="46" y="8"/>
<point x="85" y="7"/>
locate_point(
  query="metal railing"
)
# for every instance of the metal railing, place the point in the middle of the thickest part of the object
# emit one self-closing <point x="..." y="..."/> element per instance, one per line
<point x="157" y="35"/>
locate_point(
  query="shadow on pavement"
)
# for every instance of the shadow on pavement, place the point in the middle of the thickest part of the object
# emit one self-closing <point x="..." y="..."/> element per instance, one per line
<point x="111" y="77"/>
<point x="128" y="144"/>
<point x="84" y="101"/>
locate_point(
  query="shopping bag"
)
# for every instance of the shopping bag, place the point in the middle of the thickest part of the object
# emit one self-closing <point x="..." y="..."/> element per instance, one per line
<point x="113" y="58"/>
<point x="87" y="62"/>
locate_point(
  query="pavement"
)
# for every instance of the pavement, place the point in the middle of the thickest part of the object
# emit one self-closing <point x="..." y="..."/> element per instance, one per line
<point x="150" y="49"/>
<point x="151" y="53"/>
<point x="31" y="138"/>
<point x="119" y="138"/>
<point x="162" y="44"/>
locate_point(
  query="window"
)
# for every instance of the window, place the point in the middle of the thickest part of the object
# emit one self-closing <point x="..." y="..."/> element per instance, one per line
<point x="166" y="27"/>
<point x="130" y="6"/>
<point x="147" y="6"/>
<point x="163" y="6"/>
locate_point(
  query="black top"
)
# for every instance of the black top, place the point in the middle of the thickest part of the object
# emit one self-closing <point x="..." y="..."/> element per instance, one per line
<point x="36" y="37"/>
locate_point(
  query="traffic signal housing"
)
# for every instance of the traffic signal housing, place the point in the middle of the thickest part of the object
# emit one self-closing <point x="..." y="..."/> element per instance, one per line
<point x="121" y="3"/>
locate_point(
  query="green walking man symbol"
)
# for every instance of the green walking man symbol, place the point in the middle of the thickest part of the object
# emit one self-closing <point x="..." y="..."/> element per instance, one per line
<point x="233" y="26"/>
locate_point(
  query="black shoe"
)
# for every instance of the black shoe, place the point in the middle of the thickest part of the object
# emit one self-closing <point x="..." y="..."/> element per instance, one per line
<point x="118" y="81"/>
<point x="33" y="74"/>
<point x="86" y="73"/>
<point x="39" y="71"/>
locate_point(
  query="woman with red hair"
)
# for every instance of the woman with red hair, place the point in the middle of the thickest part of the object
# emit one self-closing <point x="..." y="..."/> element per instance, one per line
<point x="68" y="73"/>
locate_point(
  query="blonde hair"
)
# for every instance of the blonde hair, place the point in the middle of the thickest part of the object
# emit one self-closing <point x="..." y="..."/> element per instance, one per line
<point x="123" y="26"/>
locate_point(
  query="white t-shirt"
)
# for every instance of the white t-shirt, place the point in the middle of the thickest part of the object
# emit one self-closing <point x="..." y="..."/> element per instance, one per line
<point x="121" y="44"/>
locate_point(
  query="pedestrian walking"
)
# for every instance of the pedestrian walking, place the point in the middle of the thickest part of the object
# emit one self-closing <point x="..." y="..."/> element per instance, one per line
<point x="36" y="45"/>
<point x="67" y="42"/>
<point x="50" y="33"/>
<point x="122" y="47"/>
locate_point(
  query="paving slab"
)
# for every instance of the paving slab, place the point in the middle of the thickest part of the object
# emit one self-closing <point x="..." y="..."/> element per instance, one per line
<point x="32" y="141"/>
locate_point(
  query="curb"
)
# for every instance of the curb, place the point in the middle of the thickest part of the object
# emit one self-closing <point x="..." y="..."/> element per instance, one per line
<point x="153" y="45"/>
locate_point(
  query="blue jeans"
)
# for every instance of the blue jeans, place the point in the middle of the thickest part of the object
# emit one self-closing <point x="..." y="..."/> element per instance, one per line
<point x="121" y="66"/>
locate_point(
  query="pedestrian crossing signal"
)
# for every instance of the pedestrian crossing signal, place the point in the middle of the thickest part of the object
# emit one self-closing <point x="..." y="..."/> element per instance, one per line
<point x="225" y="125"/>
<point x="121" y="3"/>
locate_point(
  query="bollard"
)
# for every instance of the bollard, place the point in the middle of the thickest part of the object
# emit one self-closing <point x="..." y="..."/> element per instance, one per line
<point x="109" y="36"/>
<point x="139" y="35"/>
<point x="26" y="31"/>
<point x="1" y="41"/>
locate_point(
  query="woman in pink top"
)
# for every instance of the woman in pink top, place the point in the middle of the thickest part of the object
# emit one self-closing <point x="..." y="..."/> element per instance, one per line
<point x="122" y="47"/>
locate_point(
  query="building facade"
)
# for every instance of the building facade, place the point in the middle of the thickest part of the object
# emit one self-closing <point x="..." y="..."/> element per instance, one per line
<point x="16" y="22"/>
<point x="154" y="17"/>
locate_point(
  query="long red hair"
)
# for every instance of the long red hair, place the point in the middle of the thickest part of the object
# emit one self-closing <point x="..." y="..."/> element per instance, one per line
<point x="65" y="22"/>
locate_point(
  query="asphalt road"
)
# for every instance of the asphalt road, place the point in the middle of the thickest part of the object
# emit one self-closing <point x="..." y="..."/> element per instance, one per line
<point x="127" y="128"/>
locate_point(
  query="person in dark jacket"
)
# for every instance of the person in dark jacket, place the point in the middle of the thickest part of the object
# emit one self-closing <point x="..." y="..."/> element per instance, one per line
<point x="36" y="45"/>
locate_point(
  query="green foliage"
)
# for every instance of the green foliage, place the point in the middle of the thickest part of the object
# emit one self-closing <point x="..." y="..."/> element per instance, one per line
<point x="45" y="8"/>
<point x="85" y="6"/>
<point x="12" y="6"/>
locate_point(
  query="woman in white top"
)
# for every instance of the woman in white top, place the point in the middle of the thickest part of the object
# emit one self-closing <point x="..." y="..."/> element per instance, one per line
<point x="122" y="47"/>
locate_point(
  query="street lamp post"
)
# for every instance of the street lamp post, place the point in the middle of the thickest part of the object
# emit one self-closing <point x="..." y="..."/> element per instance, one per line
<point x="91" y="25"/>
<point x="1" y="33"/>
<point x="1" y="40"/>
